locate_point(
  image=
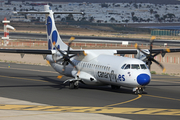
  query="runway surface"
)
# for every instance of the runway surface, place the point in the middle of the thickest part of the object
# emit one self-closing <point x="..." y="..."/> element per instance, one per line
<point x="40" y="84"/>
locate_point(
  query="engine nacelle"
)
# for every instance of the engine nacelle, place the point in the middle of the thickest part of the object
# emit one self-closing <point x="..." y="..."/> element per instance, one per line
<point x="141" y="55"/>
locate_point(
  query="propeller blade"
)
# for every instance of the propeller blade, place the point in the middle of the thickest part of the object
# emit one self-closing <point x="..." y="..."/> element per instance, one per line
<point x="69" y="44"/>
<point x="64" y="65"/>
<point x="158" y="63"/>
<point x="54" y="57"/>
<point x="72" y="56"/>
<point x="156" y="54"/>
<point x="73" y="65"/>
<point x="61" y="59"/>
<point x="150" y="57"/>
<point x="142" y="51"/>
<point x="151" y="43"/>
<point x="59" y="51"/>
<point x="149" y="65"/>
<point x="137" y="47"/>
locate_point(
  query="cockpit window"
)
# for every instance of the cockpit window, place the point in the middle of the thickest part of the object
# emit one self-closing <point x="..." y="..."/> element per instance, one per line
<point x="127" y="66"/>
<point x="135" y="66"/>
<point x="123" y="66"/>
<point x="143" y="66"/>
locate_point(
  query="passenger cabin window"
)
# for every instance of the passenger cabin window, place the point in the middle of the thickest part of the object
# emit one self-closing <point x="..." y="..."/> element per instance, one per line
<point x="143" y="66"/>
<point x="135" y="66"/>
<point x="127" y="66"/>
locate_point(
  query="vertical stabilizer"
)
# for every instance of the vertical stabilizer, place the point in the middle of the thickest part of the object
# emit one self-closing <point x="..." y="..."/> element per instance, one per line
<point x="52" y="33"/>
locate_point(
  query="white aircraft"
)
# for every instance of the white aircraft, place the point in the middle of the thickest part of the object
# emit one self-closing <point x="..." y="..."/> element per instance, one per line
<point x="95" y="67"/>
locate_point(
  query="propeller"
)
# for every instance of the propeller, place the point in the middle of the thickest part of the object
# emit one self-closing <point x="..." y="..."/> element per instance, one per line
<point x="66" y="57"/>
<point x="150" y="57"/>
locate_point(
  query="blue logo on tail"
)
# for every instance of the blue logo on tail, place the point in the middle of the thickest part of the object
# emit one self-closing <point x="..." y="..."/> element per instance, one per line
<point x="49" y="25"/>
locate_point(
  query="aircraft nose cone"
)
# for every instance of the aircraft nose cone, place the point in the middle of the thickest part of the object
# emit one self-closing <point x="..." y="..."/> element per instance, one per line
<point x="143" y="79"/>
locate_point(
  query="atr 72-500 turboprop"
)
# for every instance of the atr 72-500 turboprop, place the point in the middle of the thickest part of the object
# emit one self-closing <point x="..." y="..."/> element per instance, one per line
<point x="95" y="67"/>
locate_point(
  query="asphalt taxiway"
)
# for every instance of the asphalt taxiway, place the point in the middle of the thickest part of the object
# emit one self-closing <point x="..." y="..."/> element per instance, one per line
<point x="39" y="84"/>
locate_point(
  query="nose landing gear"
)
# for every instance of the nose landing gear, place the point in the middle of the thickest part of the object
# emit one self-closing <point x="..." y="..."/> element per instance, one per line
<point x="138" y="90"/>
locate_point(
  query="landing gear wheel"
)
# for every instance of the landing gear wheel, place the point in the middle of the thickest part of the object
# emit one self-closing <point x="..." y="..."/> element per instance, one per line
<point x="71" y="85"/>
<point x="74" y="85"/>
<point x="115" y="87"/>
<point x="138" y="91"/>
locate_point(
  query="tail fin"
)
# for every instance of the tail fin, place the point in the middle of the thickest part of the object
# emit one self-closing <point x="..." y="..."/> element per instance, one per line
<point x="52" y="33"/>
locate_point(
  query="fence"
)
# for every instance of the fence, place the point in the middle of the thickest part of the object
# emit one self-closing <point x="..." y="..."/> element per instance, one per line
<point x="168" y="59"/>
<point x="165" y="32"/>
<point x="74" y="44"/>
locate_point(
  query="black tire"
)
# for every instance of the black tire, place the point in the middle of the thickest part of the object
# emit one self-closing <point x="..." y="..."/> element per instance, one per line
<point x="115" y="87"/>
<point x="71" y="85"/>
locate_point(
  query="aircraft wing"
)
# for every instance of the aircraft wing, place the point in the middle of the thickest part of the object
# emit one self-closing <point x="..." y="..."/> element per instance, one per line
<point x="26" y="51"/>
<point x="119" y="51"/>
<point x="134" y="51"/>
<point x="166" y="50"/>
<point x="127" y="51"/>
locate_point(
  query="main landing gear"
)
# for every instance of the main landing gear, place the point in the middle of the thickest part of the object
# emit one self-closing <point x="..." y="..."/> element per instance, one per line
<point x="114" y="87"/>
<point x="138" y="90"/>
<point x="74" y="84"/>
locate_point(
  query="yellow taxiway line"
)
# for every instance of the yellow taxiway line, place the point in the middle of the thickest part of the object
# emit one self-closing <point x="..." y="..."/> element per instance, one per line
<point x="139" y="96"/>
<point x="104" y="110"/>
<point x="161" y="97"/>
<point x="108" y="109"/>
